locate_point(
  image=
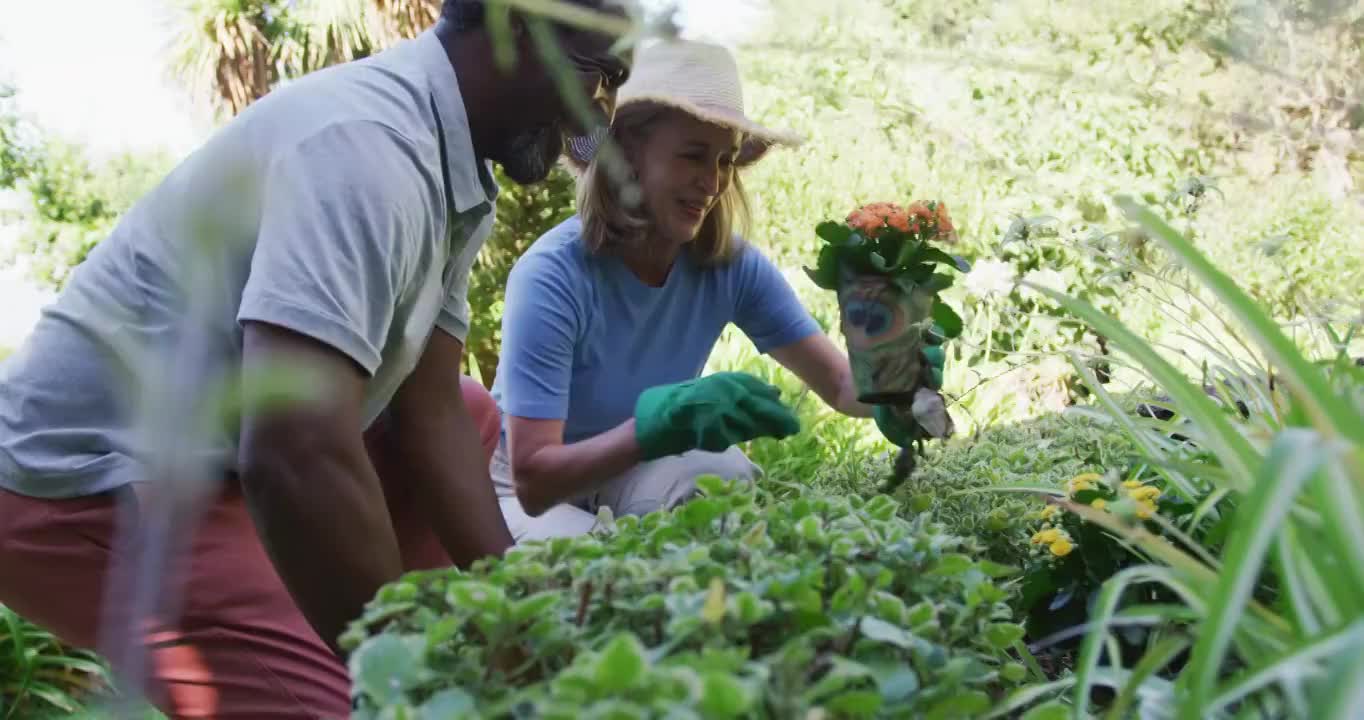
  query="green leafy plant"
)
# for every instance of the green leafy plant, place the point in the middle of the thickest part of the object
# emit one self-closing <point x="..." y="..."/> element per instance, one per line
<point x="737" y="604"/>
<point x="41" y="675"/>
<point x="1278" y="615"/>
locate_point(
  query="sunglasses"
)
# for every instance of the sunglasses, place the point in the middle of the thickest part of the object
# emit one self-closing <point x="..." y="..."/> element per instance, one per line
<point x="611" y="71"/>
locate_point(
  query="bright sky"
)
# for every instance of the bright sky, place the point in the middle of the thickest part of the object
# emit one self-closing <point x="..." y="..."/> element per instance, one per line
<point x="95" y="72"/>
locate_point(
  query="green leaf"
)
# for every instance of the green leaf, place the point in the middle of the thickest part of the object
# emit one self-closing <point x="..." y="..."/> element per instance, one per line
<point x="474" y="595"/>
<point x="713" y="611"/>
<point x="1054" y="710"/>
<point x="701" y="512"/>
<point x="534" y="606"/>
<point x="841" y="674"/>
<point x="947" y="318"/>
<point x="712" y="485"/>
<point x="621" y="664"/>
<point x="748" y="608"/>
<point x="960" y="705"/>
<point x="384" y="667"/>
<point x="447" y="704"/>
<point x="834" y="233"/>
<point x="825" y="272"/>
<point x="954" y="564"/>
<point x="722" y="696"/>
<point x="1002" y="636"/>
<point x="878" y="262"/>
<point x="930" y="254"/>
<point x="881" y="631"/>
<point x="858" y="703"/>
<point x="937" y="283"/>
<point x="995" y="570"/>
<point x="811" y="528"/>
<point x="897" y="682"/>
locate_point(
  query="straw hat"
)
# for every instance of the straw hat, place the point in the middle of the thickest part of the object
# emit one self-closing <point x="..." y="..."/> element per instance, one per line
<point x="698" y="78"/>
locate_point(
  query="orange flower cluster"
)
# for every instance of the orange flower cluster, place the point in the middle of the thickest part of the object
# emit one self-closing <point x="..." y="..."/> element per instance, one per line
<point x="872" y="218"/>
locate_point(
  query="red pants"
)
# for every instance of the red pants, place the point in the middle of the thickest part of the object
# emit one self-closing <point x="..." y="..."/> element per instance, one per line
<point x="239" y="647"/>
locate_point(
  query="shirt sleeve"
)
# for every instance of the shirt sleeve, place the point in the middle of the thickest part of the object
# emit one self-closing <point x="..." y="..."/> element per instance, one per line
<point x="339" y="222"/>
<point x="766" y="307"/>
<point x="540" y="323"/>
<point x="454" y="314"/>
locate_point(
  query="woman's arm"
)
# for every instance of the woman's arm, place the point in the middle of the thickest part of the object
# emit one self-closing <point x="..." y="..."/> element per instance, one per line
<point x="546" y="472"/>
<point x="819" y="363"/>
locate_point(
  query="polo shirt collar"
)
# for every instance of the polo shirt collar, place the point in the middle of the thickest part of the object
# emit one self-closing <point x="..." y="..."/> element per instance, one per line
<point x="470" y="184"/>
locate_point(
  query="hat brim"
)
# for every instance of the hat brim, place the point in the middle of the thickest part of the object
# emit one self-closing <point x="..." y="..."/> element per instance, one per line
<point x="758" y="139"/>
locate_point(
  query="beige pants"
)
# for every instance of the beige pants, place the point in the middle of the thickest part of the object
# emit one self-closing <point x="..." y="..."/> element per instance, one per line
<point x="660" y="484"/>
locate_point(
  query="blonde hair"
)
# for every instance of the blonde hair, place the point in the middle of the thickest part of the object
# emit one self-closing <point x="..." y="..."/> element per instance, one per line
<point x="609" y="224"/>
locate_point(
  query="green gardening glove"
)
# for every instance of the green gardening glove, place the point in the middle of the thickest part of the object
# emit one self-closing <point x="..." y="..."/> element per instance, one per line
<point x="710" y="413"/>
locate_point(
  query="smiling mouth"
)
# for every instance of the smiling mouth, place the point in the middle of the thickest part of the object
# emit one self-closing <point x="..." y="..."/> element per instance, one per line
<point x="693" y="210"/>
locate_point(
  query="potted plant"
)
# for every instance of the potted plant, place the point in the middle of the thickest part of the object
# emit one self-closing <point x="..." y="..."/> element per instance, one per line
<point x="883" y="262"/>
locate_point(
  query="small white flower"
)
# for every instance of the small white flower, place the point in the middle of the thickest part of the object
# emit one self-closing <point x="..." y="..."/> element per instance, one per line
<point x="991" y="277"/>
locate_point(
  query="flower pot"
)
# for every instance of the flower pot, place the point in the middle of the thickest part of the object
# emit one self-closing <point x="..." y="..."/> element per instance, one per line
<point x="885" y="320"/>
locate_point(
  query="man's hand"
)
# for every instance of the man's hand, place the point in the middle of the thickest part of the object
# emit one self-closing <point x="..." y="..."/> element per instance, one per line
<point x="308" y="482"/>
<point x="434" y="443"/>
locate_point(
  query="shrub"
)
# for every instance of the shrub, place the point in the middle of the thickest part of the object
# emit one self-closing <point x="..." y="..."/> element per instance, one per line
<point x="737" y="604"/>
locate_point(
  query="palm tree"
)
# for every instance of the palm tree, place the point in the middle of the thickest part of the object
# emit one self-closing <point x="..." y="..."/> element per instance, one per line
<point x="235" y="51"/>
<point x="231" y="49"/>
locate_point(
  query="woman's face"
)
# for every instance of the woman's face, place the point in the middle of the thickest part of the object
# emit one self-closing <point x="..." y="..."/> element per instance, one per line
<point x="684" y="165"/>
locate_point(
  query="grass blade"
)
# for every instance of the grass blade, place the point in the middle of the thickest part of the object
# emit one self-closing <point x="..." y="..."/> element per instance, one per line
<point x="1023" y="697"/>
<point x="1297" y="594"/>
<point x="1155" y="658"/>
<point x="1293" y="664"/>
<point x="1343" y="512"/>
<point x="1142" y="439"/>
<point x="1294" y="458"/>
<point x="1343" y="696"/>
<point x="1331" y="416"/>
<point x="1234" y="450"/>
<point x="1087" y="666"/>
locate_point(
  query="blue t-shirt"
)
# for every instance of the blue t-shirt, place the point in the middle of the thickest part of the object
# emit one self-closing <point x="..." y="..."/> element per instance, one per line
<point x="582" y="336"/>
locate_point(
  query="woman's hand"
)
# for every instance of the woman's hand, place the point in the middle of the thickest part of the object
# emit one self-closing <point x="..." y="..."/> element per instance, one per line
<point x="710" y="413"/>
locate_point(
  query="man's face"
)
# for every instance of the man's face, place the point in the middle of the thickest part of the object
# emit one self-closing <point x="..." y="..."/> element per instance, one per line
<point x="531" y="150"/>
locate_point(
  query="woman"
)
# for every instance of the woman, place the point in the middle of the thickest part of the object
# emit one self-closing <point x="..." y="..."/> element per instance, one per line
<point x="611" y="315"/>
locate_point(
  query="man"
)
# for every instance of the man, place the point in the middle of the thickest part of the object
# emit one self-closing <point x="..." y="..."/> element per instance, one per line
<point x="331" y="225"/>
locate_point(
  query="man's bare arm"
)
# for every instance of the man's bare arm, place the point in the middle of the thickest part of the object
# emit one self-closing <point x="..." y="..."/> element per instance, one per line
<point x="311" y="489"/>
<point x="435" y="444"/>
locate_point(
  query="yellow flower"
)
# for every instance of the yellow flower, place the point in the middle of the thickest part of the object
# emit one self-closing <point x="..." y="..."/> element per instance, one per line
<point x="1129" y="484"/>
<point x="1049" y="511"/>
<point x="1083" y="482"/>
<point x="1145" y="509"/>
<point x="1099" y="504"/>
<point x="1047" y="536"/>
<point x="1146" y="492"/>
<point x="1062" y="547"/>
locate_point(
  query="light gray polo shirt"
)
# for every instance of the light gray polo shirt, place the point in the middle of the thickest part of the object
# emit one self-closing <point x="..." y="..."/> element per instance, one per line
<point x="324" y="207"/>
